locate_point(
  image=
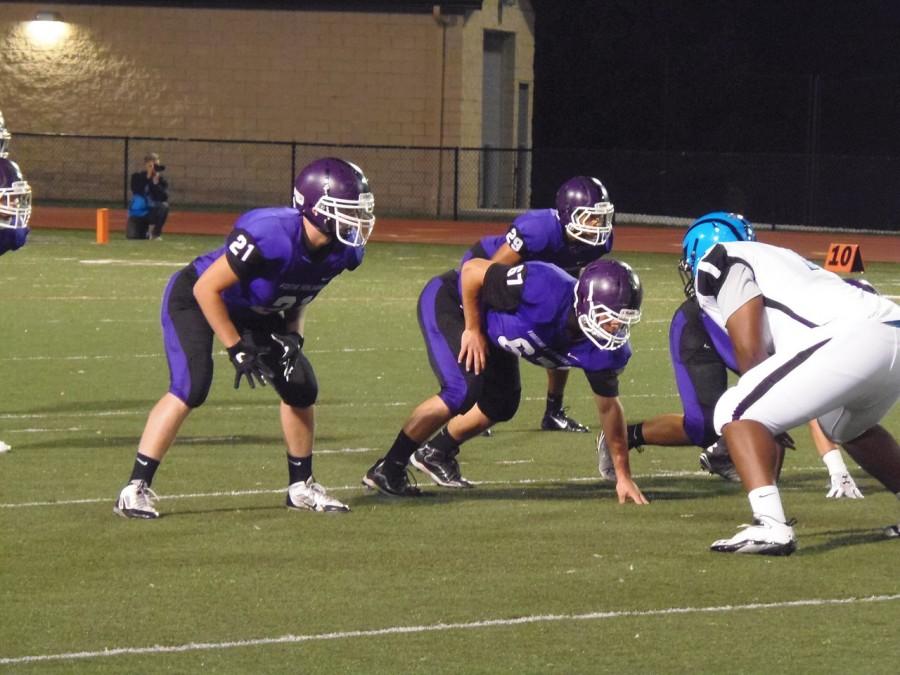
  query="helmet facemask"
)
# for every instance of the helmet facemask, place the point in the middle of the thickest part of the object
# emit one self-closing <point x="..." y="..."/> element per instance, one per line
<point x="685" y="271"/>
<point x="591" y="225"/>
<point x="607" y="329"/>
<point x="350" y="220"/>
<point x="15" y="205"/>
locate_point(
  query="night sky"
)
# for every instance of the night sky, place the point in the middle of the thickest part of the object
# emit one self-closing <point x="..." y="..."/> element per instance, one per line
<point x="720" y="76"/>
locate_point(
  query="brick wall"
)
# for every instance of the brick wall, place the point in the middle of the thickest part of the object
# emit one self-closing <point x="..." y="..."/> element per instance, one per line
<point x="334" y="77"/>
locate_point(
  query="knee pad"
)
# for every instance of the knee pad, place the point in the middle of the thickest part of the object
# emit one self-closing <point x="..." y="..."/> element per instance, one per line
<point x="194" y="388"/>
<point x="500" y="406"/>
<point x="300" y="389"/>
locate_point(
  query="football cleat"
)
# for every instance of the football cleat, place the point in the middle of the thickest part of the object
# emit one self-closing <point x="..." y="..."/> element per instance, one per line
<point x="310" y="496"/>
<point x="136" y="501"/>
<point x="439" y="466"/>
<point x="764" y="536"/>
<point x="604" y="460"/>
<point x="892" y="531"/>
<point x="4" y="447"/>
<point x="559" y="421"/>
<point x="716" y="460"/>
<point x="391" y="478"/>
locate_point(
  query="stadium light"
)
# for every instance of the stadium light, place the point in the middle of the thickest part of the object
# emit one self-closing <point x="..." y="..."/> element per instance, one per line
<point x="47" y="28"/>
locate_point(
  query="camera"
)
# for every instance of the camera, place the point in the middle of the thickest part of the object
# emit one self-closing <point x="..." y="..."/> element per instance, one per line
<point x="159" y="167"/>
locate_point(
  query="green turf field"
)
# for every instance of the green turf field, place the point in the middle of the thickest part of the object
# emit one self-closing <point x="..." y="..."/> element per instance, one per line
<point x="538" y="569"/>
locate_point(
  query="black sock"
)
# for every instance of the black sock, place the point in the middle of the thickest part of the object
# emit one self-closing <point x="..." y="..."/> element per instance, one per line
<point x="144" y="468"/>
<point x="402" y="449"/>
<point x="299" y="469"/>
<point x="444" y="442"/>
<point x="554" y="402"/>
<point x="635" y="435"/>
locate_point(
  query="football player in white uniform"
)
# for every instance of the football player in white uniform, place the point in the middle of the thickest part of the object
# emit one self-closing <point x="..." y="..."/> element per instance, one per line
<point x="702" y="356"/>
<point x="808" y="346"/>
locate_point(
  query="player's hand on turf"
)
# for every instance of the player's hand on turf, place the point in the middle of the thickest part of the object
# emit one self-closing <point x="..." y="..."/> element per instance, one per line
<point x="628" y="489"/>
<point x="247" y="363"/>
<point x="473" y="350"/>
<point x="843" y="485"/>
<point x="291" y="344"/>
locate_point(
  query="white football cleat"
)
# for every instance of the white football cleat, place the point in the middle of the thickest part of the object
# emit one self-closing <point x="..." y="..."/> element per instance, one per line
<point x="136" y="501"/>
<point x="765" y="536"/>
<point x="892" y="531"/>
<point x="843" y="485"/>
<point x="604" y="460"/>
<point x="4" y="447"/>
<point x="310" y="496"/>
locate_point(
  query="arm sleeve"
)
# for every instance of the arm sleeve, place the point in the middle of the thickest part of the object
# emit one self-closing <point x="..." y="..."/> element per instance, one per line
<point x="604" y="382"/>
<point x="503" y="286"/>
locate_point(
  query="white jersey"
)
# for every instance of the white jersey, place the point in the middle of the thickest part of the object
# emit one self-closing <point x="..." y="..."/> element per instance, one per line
<point x="798" y="295"/>
<point x="834" y="348"/>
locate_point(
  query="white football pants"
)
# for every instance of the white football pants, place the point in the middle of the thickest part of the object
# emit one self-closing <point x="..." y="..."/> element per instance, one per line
<point x="846" y="374"/>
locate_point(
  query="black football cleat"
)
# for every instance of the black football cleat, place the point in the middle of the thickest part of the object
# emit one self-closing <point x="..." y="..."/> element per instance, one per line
<point x="559" y="421"/>
<point x="391" y="479"/>
<point x="439" y="466"/>
<point x="716" y="460"/>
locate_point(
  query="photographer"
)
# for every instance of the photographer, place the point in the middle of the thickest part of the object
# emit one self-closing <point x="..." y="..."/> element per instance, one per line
<point x="149" y="205"/>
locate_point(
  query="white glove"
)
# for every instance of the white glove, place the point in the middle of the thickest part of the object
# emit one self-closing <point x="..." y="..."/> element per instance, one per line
<point x="843" y="485"/>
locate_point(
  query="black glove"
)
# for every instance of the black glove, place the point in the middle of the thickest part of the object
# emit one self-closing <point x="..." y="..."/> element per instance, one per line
<point x="247" y="362"/>
<point x="291" y="344"/>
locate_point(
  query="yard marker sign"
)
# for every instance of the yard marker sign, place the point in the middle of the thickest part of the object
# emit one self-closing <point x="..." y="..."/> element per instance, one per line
<point x="844" y="258"/>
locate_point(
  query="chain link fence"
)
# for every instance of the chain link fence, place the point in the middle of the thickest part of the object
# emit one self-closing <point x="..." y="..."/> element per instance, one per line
<point x="452" y="183"/>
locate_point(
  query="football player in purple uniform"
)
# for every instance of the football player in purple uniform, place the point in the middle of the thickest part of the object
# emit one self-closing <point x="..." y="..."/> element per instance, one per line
<point x="478" y="323"/>
<point x="702" y="355"/>
<point x="251" y="294"/>
<point x="5" y="137"/>
<point x="15" y="209"/>
<point x="578" y="231"/>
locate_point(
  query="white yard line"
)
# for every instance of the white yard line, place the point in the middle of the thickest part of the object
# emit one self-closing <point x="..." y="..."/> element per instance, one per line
<point x="360" y="488"/>
<point x="443" y="627"/>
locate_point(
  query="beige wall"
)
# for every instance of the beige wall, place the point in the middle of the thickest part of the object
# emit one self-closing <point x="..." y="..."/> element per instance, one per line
<point x="332" y="77"/>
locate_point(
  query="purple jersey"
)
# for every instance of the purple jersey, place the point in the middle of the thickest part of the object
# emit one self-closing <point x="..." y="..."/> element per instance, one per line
<point x="529" y="310"/>
<point x="720" y="342"/>
<point x="12" y="239"/>
<point x="267" y="252"/>
<point x="538" y="235"/>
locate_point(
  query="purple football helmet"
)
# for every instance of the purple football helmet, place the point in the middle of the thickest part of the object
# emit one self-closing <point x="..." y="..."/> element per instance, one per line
<point x="585" y="210"/>
<point x="608" y="302"/>
<point x="15" y="196"/>
<point x="334" y="196"/>
<point x="4" y="137"/>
